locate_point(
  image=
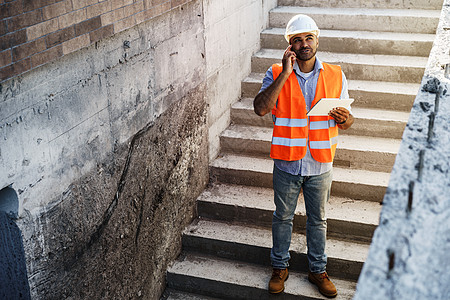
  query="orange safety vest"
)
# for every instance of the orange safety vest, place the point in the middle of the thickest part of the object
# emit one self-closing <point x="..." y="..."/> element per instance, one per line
<point x="292" y="130"/>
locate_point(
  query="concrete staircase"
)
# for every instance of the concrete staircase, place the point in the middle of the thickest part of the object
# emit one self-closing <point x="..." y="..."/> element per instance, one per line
<point x="382" y="47"/>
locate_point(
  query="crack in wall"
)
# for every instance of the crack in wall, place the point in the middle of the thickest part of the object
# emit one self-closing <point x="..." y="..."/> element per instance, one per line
<point x="141" y="213"/>
<point x="113" y="205"/>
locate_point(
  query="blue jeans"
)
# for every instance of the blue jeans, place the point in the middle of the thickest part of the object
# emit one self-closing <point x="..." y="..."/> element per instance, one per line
<point x="316" y="192"/>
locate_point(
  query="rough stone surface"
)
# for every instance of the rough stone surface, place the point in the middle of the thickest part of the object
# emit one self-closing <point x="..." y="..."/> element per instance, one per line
<point x="122" y="221"/>
<point x="409" y="253"/>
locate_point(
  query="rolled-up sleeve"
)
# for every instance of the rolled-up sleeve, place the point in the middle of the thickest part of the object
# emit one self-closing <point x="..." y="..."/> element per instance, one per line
<point x="268" y="79"/>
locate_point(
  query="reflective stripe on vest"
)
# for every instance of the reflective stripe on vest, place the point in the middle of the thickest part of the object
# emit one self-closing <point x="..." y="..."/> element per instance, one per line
<point x="291" y="122"/>
<point x="289" y="142"/>
<point x="293" y="129"/>
<point x="323" y="144"/>
<point x="322" y="124"/>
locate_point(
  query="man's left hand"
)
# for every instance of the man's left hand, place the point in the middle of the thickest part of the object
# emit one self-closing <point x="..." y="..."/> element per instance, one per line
<point x="339" y="114"/>
<point x="342" y="117"/>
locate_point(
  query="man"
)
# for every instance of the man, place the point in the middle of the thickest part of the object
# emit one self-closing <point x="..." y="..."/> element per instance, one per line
<point x="302" y="147"/>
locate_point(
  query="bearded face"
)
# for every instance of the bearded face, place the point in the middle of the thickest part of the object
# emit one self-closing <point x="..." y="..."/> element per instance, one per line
<point x="304" y="45"/>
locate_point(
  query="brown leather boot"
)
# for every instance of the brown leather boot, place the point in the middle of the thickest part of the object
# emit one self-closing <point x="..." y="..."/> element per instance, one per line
<point x="276" y="283"/>
<point x="323" y="282"/>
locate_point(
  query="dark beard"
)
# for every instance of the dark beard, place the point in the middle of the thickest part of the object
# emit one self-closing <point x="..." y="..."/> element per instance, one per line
<point x="304" y="56"/>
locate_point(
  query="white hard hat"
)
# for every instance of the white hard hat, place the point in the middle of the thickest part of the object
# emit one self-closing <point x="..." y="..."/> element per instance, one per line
<point x="300" y="24"/>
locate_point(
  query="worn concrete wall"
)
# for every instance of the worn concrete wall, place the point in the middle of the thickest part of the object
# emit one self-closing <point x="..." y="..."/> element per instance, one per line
<point x="232" y="35"/>
<point x="408" y="258"/>
<point x="106" y="148"/>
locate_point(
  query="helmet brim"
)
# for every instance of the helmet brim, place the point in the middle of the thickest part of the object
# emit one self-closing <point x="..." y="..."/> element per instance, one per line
<point x="316" y="32"/>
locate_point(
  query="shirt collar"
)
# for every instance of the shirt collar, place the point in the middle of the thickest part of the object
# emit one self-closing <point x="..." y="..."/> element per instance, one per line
<point x="317" y="66"/>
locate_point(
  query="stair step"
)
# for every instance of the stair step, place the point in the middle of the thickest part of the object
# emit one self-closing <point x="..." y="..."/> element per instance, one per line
<point x="347" y="219"/>
<point x="383" y="95"/>
<point x="246" y="139"/>
<point x="170" y="294"/>
<point x="361" y="42"/>
<point x="377" y="67"/>
<point x="368" y="153"/>
<point x="355" y="184"/>
<point x="368" y="94"/>
<point x="366" y="19"/>
<point x="252" y="245"/>
<point x="378" y="123"/>
<point x="368" y="122"/>
<point x="360" y="152"/>
<point x="416" y="4"/>
<point x="251" y="85"/>
<point x="235" y="280"/>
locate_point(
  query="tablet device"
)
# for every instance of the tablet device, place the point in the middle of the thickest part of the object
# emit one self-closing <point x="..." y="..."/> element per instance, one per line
<point x="324" y="105"/>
